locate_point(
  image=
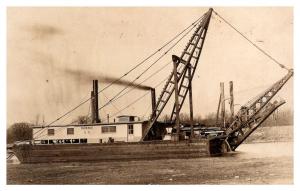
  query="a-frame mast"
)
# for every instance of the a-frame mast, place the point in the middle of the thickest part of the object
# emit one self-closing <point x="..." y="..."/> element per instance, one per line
<point x="188" y="59"/>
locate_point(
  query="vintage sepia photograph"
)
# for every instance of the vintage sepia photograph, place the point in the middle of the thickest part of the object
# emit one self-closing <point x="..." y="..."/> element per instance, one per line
<point x="150" y="95"/>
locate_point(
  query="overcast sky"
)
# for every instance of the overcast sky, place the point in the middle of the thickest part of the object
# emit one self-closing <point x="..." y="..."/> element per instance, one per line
<point x="44" y="43"/>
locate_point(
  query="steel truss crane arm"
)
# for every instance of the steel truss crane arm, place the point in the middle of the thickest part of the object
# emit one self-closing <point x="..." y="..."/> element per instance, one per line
<point x="250" y="116"/>
<point x="238" y="138"/>
<point x="189" y="58"/>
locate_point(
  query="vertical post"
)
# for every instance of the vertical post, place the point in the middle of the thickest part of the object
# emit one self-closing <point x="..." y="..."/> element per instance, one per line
<point x="107" y="118"/>
<point x="231" y="100"/>
<point x="218" y="111"/>
<point x="222" y="103"/>
<point x="191" y="101"/>
<point x="153" y="101"/>
<point x="175" y="63"/>
<point x="127" y="133"/>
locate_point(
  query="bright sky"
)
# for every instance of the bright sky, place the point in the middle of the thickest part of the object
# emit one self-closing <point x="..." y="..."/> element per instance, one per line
<point x="45" y="42"/>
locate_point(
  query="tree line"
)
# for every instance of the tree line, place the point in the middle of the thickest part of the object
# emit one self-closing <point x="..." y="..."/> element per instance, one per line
<point x="278" y="118"/>
<point x="23" y="131"/>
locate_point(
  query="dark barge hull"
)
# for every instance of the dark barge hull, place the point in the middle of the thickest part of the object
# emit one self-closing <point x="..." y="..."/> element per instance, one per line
<point x="116" y="151"/>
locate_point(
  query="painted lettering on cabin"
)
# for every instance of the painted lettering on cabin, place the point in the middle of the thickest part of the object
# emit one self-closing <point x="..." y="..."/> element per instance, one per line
<point x="86" y="127"/>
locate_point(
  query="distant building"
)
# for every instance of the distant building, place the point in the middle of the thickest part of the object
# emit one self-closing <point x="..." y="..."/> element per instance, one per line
<point x="126" y="129"/>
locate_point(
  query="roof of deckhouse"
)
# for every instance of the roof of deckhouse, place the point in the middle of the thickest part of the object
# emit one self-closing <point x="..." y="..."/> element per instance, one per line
<point x="93" y="124"/>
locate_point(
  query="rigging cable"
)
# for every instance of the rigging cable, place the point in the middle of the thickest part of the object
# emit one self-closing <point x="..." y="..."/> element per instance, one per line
<point x="132" y="82"/>
<point x="118" y="111"/>
<point x="133" y="102"/>
<point x="132" y="69"/>
<point x="139" y="98"/>
<point x="142" y="95"/>
<point x="153" y="74"/>
<point x="251" y="42"/>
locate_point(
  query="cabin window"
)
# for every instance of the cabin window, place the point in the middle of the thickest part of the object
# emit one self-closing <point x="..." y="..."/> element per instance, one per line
<point x="124" y="119"/>
<point x="70" y="131"/>
<point x="83" y="140"/>
<point x="50" y="132"/>
<point x="37" y="142"/>
<point x="108" y="129"/>
<point x="75" y="140"/>
<point x="130" y="129"/>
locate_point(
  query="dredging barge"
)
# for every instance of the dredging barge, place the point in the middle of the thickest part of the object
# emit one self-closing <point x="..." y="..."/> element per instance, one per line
<point x="132" y="139"/>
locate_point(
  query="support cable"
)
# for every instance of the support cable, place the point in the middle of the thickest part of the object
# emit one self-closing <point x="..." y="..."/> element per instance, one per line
<point x="132" y="82"/>
<point x="139" y="98"/>
<point x="132" y="69"/>
<point x="116" y="108"/>
<point x="129" y="105"/>
<point x="251" y="42"/>
<point x="146" y="79"/>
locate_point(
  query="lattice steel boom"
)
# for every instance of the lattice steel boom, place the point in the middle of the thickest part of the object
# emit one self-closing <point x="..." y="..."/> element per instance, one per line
<point x="189" y="58"/>
<point x="251" y="115"/>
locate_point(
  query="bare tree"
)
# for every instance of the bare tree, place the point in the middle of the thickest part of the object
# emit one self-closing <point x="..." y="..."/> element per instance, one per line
<point x="82" y="120"/>
<point x="19" y="132"/>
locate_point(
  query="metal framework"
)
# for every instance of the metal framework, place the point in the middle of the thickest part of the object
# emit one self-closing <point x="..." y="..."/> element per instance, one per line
<point x="247" y="119"/>
<point x="184" y="70"/>
<point x="251" y="115"/>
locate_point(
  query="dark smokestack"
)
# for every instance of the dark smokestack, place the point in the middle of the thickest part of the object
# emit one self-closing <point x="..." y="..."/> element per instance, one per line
<point x="153" y="100"/>
<point x="94" y="103"/>
<point x="93" y="106"/>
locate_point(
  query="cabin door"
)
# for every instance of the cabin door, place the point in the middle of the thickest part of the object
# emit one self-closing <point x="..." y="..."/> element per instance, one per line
<point x="130" y="133"/>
